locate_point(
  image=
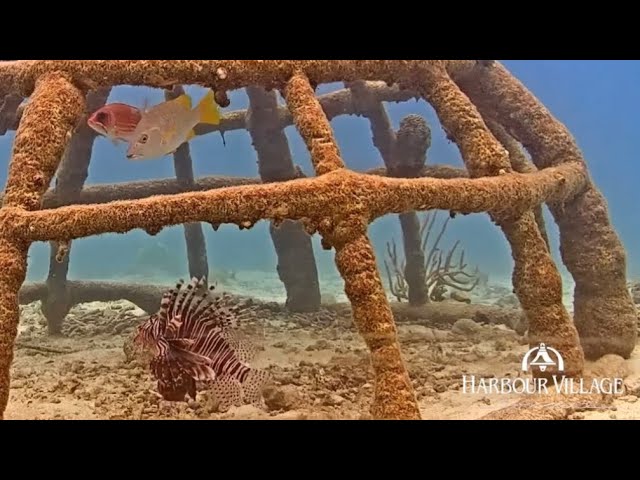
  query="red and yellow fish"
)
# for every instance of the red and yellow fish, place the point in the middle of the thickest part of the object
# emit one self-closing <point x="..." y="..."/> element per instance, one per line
<point x="116" y="121"/>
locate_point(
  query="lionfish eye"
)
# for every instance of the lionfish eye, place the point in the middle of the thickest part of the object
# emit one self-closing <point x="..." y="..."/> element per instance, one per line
<point x="144" y="138"/>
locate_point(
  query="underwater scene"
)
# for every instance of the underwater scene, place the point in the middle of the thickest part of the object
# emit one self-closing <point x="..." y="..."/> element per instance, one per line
<point x="319" y="240"/>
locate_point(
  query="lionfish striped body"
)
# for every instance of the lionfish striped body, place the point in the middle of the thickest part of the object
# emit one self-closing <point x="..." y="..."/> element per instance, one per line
<point x="193" y="339"/>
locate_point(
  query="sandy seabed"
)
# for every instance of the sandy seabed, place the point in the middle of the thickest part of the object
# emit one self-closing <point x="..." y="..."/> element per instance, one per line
<point x="319" y="365"/>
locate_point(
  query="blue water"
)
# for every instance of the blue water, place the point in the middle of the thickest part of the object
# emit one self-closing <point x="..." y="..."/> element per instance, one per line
<point x="597" y="100"/>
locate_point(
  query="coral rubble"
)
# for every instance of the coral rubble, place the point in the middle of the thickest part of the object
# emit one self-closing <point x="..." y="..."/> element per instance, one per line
<point x="338" y="203"/>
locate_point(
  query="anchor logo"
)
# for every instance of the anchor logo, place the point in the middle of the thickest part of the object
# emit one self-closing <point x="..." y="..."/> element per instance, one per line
<point x="542" y="360"/>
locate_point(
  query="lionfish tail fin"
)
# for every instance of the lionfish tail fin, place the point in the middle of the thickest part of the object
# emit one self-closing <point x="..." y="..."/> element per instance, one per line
<point x="226" y="392"/>
<point x="254" y="386"/>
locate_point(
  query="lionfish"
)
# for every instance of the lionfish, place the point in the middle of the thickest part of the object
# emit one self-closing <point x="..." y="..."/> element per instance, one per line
<point x="193" y="338"/>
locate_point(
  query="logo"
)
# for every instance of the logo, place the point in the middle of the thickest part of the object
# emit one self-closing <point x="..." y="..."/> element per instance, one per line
<point x="541" y="359"/>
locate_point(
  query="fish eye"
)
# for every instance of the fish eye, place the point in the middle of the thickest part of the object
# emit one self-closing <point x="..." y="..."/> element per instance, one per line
<point x="101" y="117"/>
<point x="144" y="138"/>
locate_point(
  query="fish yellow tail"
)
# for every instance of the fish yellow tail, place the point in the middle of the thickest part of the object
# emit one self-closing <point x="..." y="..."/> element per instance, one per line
<point x="208" y="109"/>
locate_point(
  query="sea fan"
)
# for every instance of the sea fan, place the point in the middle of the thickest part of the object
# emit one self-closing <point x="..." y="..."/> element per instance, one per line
<point x="193" y="340"/>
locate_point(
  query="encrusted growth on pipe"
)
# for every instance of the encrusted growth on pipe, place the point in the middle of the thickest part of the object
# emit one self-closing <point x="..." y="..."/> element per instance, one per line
<point x="37" y="151"/>
<point x="30" y="174"/>
<point x="483" y="156"/>
<point x="110" y="192"/>
<point x="394" y="397"/>
<point x="372" y="315"/>
<point x="536" y="280"/>
<point x="321" y="197"/>
<point x="604" y="312"/>
<point x="312" y="124"/>
<point x="19" y="77"/>
<point x="520" y="164"/>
